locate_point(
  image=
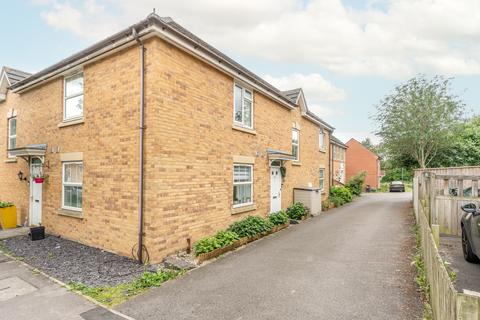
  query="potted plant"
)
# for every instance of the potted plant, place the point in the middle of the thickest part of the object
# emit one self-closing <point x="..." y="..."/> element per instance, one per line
<point x="39" y="178"/>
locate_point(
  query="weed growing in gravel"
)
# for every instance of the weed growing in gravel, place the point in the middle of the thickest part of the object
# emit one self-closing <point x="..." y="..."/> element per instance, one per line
<point x="421" y="278"/>
<point x="110" y="296"/>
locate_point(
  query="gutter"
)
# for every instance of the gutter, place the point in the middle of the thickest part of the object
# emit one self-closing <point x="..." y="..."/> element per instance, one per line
<point x="141" y="143"/>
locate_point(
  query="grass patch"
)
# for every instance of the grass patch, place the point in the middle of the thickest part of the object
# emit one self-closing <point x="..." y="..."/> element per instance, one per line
<point x="421" y="277"/>
<point x="113" y="295"/>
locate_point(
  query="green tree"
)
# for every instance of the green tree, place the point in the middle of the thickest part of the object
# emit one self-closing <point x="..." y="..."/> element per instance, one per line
<point x="418" y="119"/>
<point x="465" y="147"/>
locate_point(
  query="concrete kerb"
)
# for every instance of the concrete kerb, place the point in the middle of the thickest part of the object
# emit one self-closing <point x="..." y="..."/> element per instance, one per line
<point x="62" y="284"/>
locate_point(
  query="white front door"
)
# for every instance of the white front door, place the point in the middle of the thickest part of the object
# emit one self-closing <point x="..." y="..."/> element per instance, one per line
<point x="35" y="214"/>
<point x="275" y="189"/>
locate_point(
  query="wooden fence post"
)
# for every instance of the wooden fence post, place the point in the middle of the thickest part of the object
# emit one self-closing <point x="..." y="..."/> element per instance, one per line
<point x="436" y="234"/>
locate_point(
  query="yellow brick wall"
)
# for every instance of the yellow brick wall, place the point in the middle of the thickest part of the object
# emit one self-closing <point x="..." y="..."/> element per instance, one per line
<point x="189" y="150"/>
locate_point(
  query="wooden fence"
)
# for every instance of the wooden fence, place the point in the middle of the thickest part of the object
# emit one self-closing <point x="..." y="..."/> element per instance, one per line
<point x="436" y="203"/>
<point x="445" y="191"/>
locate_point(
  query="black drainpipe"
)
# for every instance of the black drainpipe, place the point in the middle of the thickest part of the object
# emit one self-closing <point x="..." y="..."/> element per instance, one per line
<point x="141" y="142"/>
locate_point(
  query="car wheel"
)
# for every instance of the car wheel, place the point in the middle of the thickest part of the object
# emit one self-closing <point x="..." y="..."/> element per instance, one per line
<point x="467" y="249"/>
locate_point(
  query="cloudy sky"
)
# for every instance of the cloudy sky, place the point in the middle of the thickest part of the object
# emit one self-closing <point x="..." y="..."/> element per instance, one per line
<point x="345" y="54"/>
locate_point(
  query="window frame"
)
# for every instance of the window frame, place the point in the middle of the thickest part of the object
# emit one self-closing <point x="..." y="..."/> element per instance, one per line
<point x="65" y="97"/>
<point x="243" y="98"/>
<point x="321" y="179"/>
<point x="321" y="140"/>
<point x="242" y="183"/>
<point x="74" y="184"/>
<point x="11" y="136"/>
<point x="297" y="158"/>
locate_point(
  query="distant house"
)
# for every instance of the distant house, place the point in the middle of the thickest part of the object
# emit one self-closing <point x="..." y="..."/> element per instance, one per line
<point x="338" y="161"/>
<point x="360" y="158"/>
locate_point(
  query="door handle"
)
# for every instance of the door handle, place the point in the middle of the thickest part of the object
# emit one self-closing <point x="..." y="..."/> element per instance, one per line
<point x="274" y="197"/>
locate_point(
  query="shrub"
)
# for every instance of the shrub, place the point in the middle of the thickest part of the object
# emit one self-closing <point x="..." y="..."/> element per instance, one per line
<point x="297" y="211"/>
<point x="278" y="218"/>
<point x="337" y="201"/>
<point x="355" y="184"/>
<point x="341" y="192"/>
<point x="220" y="240"/>
<point x="325" y="204"/>
<point x="250" y="226"/>
<point x="4" y="204"/>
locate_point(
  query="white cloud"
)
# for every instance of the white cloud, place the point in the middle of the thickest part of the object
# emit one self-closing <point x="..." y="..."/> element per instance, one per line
<point x="395" y="38"/>
<point x="318" y="91"/>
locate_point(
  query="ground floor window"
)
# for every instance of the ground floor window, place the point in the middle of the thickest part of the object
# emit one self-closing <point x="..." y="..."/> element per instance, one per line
<point x="321" y="176"/>
<point x="72" y="181"/>
<point x="242" y="184"/>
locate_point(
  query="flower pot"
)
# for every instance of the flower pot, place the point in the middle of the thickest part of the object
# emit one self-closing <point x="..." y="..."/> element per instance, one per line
<point x="39" y="180"/>
<point x="37" y="233"/>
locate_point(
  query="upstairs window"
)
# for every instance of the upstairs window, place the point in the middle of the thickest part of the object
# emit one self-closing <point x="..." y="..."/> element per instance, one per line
<point x="321" y="140"/>
<point x="296" y="144"/>
<point x="12" y="133"/>
<point x="243" y="107"/>
<point x="73" y="97"/>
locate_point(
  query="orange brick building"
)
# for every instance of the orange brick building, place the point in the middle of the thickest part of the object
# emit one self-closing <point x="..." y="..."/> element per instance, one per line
<point x="359" y="158"/>
<point x="153" y="137"/>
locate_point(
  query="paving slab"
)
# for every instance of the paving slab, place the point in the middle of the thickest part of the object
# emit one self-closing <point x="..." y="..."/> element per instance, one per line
<point x="353" y="262"/>
<point x="26" y="294"/>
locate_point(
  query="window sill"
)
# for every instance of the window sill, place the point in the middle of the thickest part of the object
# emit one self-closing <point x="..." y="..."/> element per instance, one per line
<point x="322" y="150"/>
<point x="247" y="208"/>
<point x="13" y="160"/>
<point x="67" y="123"/>
<point x="243" y="129"/>
<point x="70" y="213"/>
<point x="296" y="164"/>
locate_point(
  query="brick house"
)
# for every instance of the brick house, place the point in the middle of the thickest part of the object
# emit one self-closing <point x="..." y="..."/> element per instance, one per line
<point x="360" y="158"/>
<point x="338" y="161"/>
<point x="152" y="137"/>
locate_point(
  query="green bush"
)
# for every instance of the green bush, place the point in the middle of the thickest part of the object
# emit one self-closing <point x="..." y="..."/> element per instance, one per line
<point x="337" y="201"/>
<point x="220" y="240"/>
<point x="326" y="204"/>
<point x="355" y="184"/>
<point x="4" y="204"/>
<point x="297" y="211"/>
<point x="278" y="218"/>
<point x="341" y="192"/>
<point x="250" y="226"/>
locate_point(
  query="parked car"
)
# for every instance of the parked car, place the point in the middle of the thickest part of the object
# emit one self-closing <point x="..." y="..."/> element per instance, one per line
<point x="397" y="186"/>
<point x="470" y="224"/>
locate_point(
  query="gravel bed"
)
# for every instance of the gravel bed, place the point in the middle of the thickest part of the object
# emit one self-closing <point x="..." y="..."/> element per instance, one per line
<point x="71" y="261"/>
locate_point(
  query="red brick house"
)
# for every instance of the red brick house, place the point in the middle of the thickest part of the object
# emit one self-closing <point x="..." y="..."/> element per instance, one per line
<point x="360" y="158"/>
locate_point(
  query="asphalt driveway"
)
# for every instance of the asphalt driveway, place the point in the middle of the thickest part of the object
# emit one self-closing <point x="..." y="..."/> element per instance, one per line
<point x="350" y="263"/>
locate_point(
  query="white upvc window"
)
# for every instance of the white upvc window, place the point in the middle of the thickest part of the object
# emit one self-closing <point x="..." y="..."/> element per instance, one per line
<point x="73" y="97"/>
<point x="321" y="179"/>
<point x="242" y="185"/>
<point x="72" y="185"/>
<point x="334" y="151"/>
<point x="243" y="107"/>
<point x="296" y="144"/>
<point x="321" y="140"/>
<point x="12" y="134"/>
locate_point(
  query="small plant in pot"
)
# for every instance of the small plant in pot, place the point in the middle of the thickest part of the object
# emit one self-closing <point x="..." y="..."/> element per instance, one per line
<point x="39" y="178"/>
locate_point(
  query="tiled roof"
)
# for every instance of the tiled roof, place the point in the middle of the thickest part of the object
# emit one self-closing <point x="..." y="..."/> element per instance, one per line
<point x="292" y="94"/>
<point x="15" y="75"/>
<point x="337" y="141"/>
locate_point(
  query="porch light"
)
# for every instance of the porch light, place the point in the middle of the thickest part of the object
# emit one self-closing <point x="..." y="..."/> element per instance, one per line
<point x="20" y="176"/>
